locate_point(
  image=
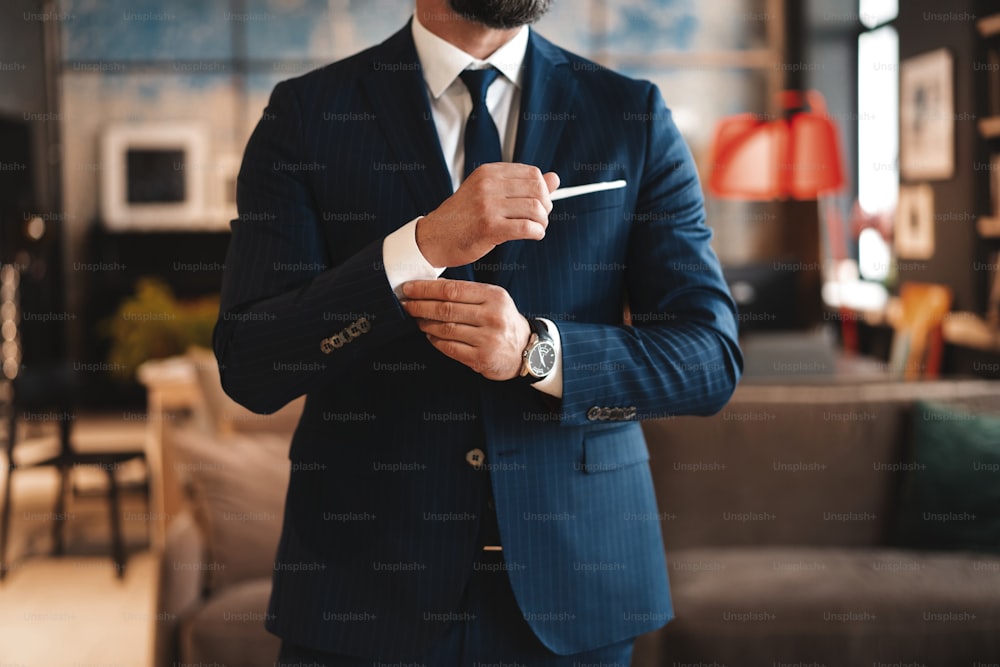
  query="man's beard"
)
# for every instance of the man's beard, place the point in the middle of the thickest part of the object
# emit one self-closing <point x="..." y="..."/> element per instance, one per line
<point x="501" y="14"/>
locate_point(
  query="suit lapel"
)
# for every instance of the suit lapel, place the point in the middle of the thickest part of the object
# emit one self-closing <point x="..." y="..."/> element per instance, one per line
<point x="547" y="101"/>
<point x="396" y="90"/>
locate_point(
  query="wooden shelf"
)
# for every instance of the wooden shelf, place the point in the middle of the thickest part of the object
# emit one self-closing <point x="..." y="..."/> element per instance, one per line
<point x="989" y="127"/>
<point x="989" y="227"/>
<point x="989" y="25"/>
<point x="972" y="331"/>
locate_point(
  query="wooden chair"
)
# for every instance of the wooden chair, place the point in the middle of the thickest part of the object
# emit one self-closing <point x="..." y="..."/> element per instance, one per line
<point x="917" y="343"/>
<point x="45" y="395"/>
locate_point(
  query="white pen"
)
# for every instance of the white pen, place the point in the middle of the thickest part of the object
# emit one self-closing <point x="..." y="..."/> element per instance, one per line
<point x="577" y="190"/>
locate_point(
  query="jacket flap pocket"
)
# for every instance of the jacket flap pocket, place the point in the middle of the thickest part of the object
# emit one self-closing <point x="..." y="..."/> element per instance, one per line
<point x="568" y="209"/>
<point x="606" y="451"/>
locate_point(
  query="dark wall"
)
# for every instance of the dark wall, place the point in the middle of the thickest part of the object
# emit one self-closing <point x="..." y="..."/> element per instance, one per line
<point x="29" y="182"/>
<point x="22" y="77"/>
<point x="925" y="25"/>
<point x="22" y="85"/>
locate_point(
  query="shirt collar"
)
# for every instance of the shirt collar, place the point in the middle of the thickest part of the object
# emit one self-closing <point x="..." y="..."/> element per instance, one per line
<point x="442" y="61"/>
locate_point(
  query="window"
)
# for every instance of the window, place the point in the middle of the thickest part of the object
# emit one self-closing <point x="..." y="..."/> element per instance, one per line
<point x="878" y="128"/>
<point x="874" y="13"/>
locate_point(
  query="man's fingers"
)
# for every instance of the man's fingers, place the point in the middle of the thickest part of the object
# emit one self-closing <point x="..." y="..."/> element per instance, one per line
<point x="530" y="230"/>
<point x="442" y="311"/>
<point x="507" y="170"/>
<point x="517" y="220"/>
<point x="535" y="189"/>
<point x="466" y="354"/>
<point x="491" y="343"/>
<point x="517" y="181"/>
<point x="456" y="291"/>
<point x="525" y="209"/>
<point x="459" y="333"/>
<point x="552" y="181"/>
<point x="460" y="352"/>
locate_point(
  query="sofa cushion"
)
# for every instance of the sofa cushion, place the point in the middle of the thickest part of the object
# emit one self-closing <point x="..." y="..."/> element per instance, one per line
<point x="237" y="488"/>
<point x="831" y="606"/>
<point x="951" y="498"/>
<point x="792" y="465"/>
<point x="229" y="629"/>
<point x="226" y="415"/>
<point x="774" y="473"/>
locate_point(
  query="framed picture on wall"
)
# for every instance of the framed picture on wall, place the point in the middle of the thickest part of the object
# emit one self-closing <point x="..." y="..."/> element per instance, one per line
<point x="914" y="228"/>
<point x="927" y="116"/>
<point x="995" y="185"/>
<point x="153" y="176"/>
<point x="993" y="303"/>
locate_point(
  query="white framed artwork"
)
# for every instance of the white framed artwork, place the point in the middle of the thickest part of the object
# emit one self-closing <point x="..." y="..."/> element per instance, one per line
<point x="927" y="117"/>
<point x="153" y="176"/>
<point x="914" y="228"/>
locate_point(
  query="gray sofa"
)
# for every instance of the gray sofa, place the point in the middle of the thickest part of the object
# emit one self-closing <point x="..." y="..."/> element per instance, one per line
<point x="781" y="520"/>
<point x="783" y="523"/>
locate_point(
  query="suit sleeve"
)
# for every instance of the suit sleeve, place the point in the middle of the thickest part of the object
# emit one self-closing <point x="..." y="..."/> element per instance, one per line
<point x="681" y="355"/>
<point x="289" y="321"/>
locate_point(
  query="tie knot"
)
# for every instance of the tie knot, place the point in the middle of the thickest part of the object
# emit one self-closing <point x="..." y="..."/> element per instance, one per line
<point x="478" y="82"/>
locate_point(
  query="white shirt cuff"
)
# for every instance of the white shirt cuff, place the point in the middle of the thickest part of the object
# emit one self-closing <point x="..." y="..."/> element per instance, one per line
<point x="403" y="261"/>
<point x="553" y="383"/>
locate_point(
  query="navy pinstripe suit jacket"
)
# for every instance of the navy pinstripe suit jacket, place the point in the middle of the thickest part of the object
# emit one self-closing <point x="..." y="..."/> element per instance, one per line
<point x="383" y="510"/>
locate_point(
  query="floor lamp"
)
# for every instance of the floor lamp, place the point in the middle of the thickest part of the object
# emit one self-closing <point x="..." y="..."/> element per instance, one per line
<point x="793" y="157"/>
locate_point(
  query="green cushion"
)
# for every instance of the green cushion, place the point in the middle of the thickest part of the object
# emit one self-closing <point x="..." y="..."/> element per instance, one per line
<point x="951" y="495"/>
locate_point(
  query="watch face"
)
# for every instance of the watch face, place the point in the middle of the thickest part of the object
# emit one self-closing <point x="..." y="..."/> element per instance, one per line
<point x="541" y="359"/>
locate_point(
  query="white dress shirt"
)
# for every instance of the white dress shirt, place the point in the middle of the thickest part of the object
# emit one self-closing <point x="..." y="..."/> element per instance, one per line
<point x="451" y="105"/>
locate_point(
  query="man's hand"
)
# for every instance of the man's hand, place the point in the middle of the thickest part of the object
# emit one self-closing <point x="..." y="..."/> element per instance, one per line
<point x="498" y="202"/>
<point x="476" y="324"/>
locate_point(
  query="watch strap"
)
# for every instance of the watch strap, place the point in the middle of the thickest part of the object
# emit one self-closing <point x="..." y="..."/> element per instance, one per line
<point x="541" y="334"/>
<point x="541" y="329"/>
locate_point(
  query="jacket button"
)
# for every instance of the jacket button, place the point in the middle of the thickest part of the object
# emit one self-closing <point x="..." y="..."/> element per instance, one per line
<point x="475" y="457"/>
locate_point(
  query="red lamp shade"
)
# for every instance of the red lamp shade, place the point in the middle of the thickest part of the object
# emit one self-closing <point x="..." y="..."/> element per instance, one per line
<point x="794" y="157"/>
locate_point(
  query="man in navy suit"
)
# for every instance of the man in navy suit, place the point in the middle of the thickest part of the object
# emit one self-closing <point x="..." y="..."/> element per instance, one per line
<point x="469" y="477"/>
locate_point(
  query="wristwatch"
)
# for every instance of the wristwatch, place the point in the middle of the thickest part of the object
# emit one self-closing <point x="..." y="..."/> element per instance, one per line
<point x="539" y="357"/>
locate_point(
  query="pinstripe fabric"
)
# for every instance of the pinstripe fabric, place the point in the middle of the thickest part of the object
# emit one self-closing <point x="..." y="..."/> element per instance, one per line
<point x="383" y="510"/>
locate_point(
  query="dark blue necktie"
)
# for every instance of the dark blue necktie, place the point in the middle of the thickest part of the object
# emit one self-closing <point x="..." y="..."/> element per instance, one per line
<point x="482" y="141"/>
